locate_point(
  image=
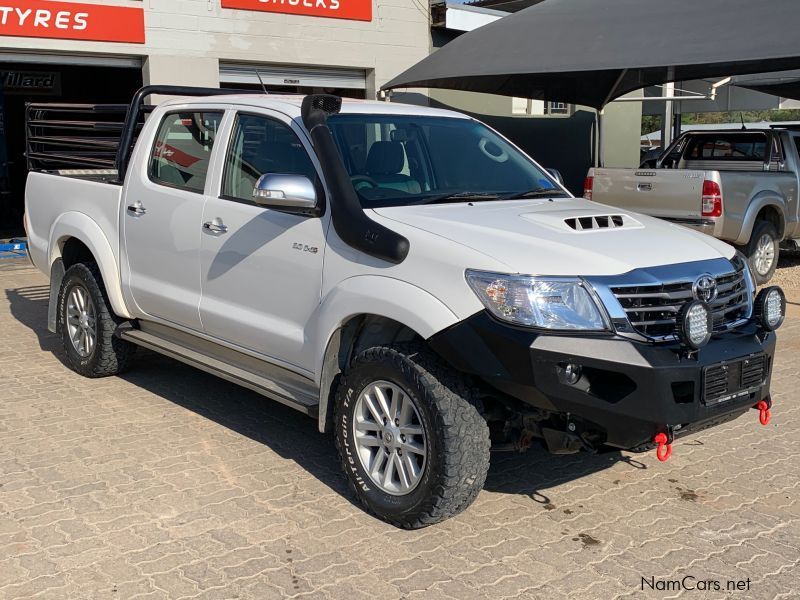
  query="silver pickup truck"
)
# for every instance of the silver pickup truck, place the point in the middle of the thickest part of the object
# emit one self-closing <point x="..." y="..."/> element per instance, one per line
<point x="740" y="186"/>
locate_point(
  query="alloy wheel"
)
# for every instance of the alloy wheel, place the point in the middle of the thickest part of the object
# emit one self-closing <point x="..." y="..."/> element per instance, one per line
<point x="81" y="321"/>
<point x="765" y="254"/>
<point x="389" y="437"/>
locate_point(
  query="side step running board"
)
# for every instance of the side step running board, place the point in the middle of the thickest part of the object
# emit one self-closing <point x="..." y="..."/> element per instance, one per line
<point x="243" y="377"/>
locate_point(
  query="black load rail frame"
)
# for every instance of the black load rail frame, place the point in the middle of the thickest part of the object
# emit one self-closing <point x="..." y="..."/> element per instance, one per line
<point x="57" y="138"/>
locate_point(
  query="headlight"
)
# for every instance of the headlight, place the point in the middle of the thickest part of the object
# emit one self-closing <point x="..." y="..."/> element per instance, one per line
<point x="546" y="302"/>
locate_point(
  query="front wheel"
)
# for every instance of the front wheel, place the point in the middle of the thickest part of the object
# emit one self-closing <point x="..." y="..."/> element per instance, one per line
<point x="411" y="439"/>
<point x="763" y="251"/>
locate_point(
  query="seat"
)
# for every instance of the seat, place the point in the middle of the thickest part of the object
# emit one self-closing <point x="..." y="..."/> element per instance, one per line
<point x="385" y="162"/>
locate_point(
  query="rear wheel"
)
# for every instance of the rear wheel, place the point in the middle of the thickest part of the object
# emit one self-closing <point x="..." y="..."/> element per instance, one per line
<point x="763" y="251"/>
<point x="411" y="439"/>
<point x="87" y="325"/>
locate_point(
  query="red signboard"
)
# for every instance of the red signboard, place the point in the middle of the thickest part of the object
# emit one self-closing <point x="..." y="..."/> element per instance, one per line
<point x="355" y="10"/>
<point x="71" y="21"/>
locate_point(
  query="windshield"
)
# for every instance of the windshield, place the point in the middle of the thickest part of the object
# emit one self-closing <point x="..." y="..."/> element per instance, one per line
<point x="397" y="160"/>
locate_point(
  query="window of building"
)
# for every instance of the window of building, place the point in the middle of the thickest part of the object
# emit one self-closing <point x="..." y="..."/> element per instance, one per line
<point x="261" y="145"/>
<point x="557" y="108"/>
<point x="526" y="106"/>
<point x="182" y="150"/>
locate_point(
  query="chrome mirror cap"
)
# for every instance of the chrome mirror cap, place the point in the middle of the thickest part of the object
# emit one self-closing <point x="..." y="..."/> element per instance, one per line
<point x="275" y="190"/>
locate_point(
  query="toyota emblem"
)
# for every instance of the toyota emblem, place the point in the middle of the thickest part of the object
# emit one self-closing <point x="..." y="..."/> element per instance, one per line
<point x="705" y="289"/>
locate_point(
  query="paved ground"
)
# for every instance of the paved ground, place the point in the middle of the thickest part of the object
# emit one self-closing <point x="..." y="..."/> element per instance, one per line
<point x="169" y="483"/>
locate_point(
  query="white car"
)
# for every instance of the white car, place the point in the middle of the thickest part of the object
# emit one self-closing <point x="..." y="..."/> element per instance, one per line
<point x="404" y="275"/>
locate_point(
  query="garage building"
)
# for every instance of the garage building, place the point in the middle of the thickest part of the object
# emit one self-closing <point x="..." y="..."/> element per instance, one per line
<point x="53" y="51"/>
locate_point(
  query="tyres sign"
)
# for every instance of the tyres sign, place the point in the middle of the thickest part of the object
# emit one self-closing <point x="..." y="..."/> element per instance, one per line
<point x="71" y="21"/>
<point x="354" y="10"/>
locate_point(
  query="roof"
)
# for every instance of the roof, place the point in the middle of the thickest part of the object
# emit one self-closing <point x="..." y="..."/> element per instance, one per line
<point x="589" y="52"/>
<point x="504" y="5"/>
<point x="462" y="17"/>
<point x="290" y="104"/>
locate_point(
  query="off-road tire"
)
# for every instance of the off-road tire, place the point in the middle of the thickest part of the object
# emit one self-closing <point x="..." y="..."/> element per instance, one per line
<point x="110" y="355"/>
<point x="457" y="436"/>
<point x="760" y="229"/>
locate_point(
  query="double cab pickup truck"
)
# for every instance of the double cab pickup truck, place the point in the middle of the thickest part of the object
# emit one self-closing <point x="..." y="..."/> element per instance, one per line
<point x="740" y="186"/>
<point x="405" y="276"/>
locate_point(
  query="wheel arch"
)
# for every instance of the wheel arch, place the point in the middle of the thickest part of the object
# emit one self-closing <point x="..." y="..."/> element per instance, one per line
<point x="763" y="207"/>
<point x="366" y="311"/>
<point x="74" y="237"/>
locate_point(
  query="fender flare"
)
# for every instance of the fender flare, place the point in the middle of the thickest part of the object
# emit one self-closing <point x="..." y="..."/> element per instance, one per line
<point x="760" y="201"/>
<point x="81" y="227"/>
<point x="376" y="295"/>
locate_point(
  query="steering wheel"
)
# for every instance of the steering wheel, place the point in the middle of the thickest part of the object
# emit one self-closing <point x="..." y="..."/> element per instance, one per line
<point x="359" y="179"/>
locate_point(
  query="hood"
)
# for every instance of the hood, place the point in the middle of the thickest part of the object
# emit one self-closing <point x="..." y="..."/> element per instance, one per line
<point x="562" y="236"/>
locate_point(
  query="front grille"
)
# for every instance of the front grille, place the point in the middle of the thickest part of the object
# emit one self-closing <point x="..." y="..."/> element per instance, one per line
<point x="652" y="309"/>
<point x="732" y="379"/>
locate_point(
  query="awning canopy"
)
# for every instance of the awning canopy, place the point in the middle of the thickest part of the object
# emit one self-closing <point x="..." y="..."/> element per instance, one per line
<point x="590" y="52"/>
<point x="785" y="84"/>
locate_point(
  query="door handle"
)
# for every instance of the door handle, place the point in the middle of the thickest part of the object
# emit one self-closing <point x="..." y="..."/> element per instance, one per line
<point x="215" y="226"/>
<point x="137" y="209"/>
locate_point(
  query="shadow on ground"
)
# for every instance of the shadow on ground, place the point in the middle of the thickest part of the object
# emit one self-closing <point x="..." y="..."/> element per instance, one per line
<point x="293" y="435"/>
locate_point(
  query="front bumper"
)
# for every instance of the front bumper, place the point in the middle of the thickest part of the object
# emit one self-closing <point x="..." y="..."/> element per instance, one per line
<point x="628" y="391"/>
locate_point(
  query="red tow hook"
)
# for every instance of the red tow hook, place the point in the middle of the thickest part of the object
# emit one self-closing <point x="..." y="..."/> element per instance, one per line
<point x="764" y="414"/>
<point x="664" y="450"/>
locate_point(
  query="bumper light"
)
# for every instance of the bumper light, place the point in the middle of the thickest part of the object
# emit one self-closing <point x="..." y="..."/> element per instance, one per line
<point x="695" y="324"/>
<point x="770" y="308"/>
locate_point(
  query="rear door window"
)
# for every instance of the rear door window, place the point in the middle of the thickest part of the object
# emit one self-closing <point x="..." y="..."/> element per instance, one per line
<point x="182" y="150"/>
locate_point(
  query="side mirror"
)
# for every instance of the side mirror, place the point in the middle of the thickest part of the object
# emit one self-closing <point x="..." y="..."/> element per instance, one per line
<point x="291" y="193"/>
<point x="556" y="174"/>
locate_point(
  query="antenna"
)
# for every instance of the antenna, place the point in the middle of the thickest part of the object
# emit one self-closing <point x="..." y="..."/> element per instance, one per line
<point x="741" y="117"/>
<point x="261" y="81"/>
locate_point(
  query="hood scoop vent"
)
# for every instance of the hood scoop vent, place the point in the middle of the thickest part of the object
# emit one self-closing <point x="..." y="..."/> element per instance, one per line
<point x="595" y="222"/>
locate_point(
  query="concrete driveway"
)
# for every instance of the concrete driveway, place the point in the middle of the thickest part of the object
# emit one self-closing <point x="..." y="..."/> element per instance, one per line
<point x="170" y="483"/>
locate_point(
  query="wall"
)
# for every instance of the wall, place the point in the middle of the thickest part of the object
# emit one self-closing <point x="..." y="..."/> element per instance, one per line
<point x="185" y="37"/>
<point x="622" y="131"/>
<point x="472" y="102"/>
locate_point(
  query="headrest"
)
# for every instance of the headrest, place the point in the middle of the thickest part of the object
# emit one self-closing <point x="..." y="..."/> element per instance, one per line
<point x="385" y="158"/>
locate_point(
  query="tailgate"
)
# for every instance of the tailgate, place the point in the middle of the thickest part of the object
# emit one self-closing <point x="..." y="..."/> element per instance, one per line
<point x="668" y="193"/>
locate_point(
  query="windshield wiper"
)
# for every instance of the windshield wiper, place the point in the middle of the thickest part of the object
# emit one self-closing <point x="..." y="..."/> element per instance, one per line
<point x="537" y="193"/>
<point x="458" y="197"/>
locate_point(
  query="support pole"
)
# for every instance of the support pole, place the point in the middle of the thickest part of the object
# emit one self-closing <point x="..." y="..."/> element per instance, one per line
<point x="667" y="126"/>
<point x="600" y="154"/>
<point x="669" y="112"/>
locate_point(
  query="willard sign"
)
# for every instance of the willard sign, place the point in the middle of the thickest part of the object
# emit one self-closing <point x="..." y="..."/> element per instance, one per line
<point x="355" y="10"/>
<point x="71" y="21"/>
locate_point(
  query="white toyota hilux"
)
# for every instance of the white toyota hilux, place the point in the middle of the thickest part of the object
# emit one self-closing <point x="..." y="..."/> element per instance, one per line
<point x="404" y="275"/>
